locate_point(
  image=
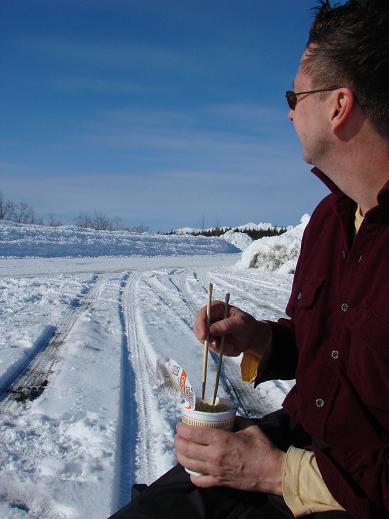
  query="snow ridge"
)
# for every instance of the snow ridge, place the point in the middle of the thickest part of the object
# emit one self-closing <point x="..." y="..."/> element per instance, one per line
<point x="22" y="240"/>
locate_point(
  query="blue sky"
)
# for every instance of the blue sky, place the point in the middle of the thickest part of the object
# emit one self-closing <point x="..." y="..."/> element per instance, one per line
<point x="168" y="113"/>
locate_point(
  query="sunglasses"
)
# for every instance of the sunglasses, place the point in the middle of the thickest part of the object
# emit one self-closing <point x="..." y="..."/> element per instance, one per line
<point x="291" y="97"/>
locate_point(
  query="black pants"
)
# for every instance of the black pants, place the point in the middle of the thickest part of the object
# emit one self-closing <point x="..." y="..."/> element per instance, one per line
<point x="173" y="496"/>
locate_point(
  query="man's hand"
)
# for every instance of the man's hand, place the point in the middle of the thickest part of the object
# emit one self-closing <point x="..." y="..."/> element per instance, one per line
<point x="244" y="460"/>
<point x="241" y="330"/>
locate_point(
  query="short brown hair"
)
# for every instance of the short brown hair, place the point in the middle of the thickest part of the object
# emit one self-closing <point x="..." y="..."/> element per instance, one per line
<point x="349" y="46"/>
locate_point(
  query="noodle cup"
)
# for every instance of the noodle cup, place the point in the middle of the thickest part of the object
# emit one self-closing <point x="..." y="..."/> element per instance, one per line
<point x="212" y="419"/>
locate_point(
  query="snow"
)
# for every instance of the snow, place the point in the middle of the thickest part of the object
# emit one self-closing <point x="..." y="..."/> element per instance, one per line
<point x="22" y="240"/>
<point x="239" y="239"/>
<point x="275" y="253"/>
<point x="257" y="227"/>
<point x="93" y="329"/>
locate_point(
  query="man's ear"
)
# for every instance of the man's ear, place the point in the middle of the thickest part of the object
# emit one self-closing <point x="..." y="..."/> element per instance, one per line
<point x="343" y="101"/>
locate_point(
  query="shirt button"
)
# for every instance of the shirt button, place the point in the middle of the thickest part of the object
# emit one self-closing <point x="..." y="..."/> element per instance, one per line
<point x="344" y="307"/>
<point x="299" y="296"/>
<point x="344" y="254"/>
<point x="319" y="402"/>
<point x="335" y="354"/>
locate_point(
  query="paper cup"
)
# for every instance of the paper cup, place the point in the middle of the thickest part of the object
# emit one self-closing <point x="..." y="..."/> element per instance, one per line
<point x="223" y="419"/>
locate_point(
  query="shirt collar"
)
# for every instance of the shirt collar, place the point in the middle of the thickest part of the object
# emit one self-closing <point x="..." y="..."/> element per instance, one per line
<point x="382" y="197"/>
<point x="327" y="181"/>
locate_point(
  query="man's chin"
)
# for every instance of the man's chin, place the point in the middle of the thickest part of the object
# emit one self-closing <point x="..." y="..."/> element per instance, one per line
<point x="308" y="160"/>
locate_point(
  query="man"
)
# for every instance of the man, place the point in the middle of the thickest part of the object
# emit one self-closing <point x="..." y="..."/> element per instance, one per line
<point x="327" y="453"/>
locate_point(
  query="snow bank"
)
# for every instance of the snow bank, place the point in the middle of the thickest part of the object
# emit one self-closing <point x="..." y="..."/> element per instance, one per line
<point x="275" y="253"/>
<point x="238" y="239"/>
<point x="20" y="240"/>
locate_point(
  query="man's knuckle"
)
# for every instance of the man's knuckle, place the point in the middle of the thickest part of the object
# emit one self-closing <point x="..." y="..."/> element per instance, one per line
<point x="218" y="456"/>
<point x="214" y="457"/>
<point x="225" y="440"/>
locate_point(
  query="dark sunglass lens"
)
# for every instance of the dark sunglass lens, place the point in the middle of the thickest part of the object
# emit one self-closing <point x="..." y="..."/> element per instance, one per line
<point x="291" y="99"/>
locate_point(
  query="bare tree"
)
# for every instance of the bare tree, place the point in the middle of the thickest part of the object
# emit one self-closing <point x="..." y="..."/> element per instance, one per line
<point x="10" y="211"/>
<point x="117" y="223"/>
<point x="101" y="222"/>
<point x="84" y="221"/>
<point x="19" y="213"/>
<point x="141" y="228"/>
<point x="202" y="223"/>
<point x="2" y="206"/>
<point x="7" y="208"/>
<point x="97" y="221"/>
<point x="52" y="221"/>
<point x="24" y="213"/>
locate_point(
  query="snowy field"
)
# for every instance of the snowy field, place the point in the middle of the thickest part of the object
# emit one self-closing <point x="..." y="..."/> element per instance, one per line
<point x="82" y="413"/>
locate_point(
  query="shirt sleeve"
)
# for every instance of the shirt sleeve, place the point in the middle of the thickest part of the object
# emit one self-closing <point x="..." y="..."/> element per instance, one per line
<point x="281" y="358"/>
<point x="303" y="487"/>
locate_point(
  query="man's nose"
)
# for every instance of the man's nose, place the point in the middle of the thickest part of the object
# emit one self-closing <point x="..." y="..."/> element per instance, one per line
<point x="290" y="115"/>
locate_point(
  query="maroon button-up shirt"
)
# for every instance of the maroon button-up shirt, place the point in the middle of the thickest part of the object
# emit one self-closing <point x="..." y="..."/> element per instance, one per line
<point x="336" y="345"/>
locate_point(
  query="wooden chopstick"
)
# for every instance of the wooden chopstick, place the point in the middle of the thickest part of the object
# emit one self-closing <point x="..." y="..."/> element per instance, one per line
<point x="206" y="342"/>
<point x="219" y="364"/>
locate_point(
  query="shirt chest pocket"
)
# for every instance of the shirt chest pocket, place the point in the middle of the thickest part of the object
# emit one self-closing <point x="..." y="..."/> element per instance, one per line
<point x="368" y="362"/>
<point x="305" y="294"/>
<point x="370" y="329"/>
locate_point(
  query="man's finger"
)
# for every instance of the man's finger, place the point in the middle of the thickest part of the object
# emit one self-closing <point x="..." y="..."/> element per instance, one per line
<point x="205" y="481"/>
<point x="200" y="325"/>
<point x="190" y="450"/>
<point x="225" y="326"/>
<point x="199" y="435"/>
<point x="200" y="467"/>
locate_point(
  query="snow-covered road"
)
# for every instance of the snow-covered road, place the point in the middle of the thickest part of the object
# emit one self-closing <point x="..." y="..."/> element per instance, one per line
<point x="85" y="335"/>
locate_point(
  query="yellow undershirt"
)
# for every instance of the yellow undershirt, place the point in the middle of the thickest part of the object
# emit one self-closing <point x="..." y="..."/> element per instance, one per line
<point x="303" y="487"/>
<point x="358" y="219"/>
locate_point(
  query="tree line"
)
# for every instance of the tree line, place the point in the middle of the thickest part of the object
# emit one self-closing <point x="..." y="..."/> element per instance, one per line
<point x="255" y="234"/>
<point x="24" y="213"/>
<point x="17" y="212"/>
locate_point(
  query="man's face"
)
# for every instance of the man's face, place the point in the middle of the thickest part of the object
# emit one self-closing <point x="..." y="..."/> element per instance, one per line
<point x="310" y="118"/>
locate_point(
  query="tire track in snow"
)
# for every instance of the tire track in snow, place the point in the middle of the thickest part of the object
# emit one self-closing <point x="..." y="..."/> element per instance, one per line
<point x="179" y="280"/>
<point x="32" y="504"/>
<point x="30" y="378"/>
<point x="283" y="282"/>
<point x="246" y="295"/>
<point x="127" y="424"/>
<point x="165" y="296"/>
<point x="140" y="444"/>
